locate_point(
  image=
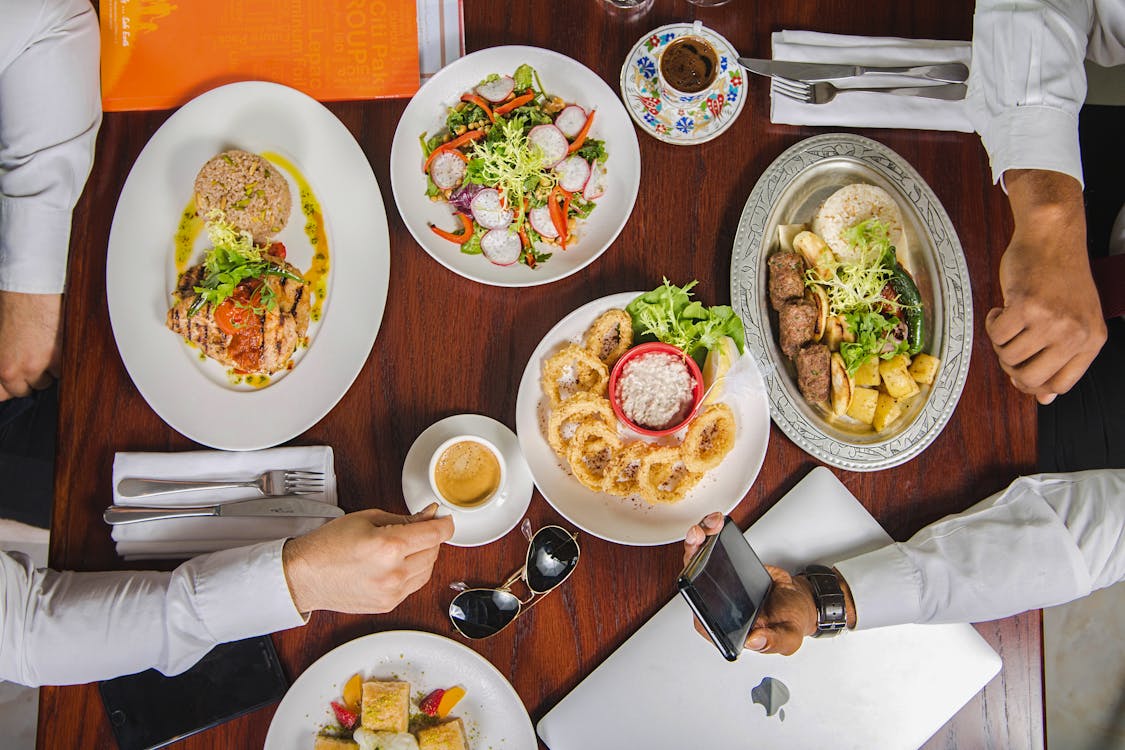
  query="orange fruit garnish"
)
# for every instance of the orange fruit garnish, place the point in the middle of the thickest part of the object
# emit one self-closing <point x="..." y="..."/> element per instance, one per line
<point x="353" y="689"/>
<point x="450" y="699"/>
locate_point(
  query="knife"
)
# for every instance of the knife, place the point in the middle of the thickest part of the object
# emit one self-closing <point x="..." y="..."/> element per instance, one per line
<point x="802" y="71"/>
<point x="278" y="507"/>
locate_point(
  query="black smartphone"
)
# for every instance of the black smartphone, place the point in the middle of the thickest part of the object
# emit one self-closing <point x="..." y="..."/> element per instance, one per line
<point x="148" y="710"/>
<point x="726" y="584"/>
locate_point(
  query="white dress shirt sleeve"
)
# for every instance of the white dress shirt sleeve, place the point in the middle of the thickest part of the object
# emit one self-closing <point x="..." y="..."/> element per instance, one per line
<point x="67" y="628"/>
<point x="1045" y="540"/>
<point x="50" y="110"/>
<point x="1028" y="81"/>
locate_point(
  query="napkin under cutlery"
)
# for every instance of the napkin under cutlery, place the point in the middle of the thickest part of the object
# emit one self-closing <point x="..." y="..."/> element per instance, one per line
<point x="870" y="110"/>
<point x="175" y="538"/>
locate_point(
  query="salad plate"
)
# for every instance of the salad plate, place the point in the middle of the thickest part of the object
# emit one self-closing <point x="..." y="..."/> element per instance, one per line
<point x="790" y="192"/>
<point x="559" y="76"/>
<point x="629" y="521"/>
<point x="493" y="714"/>
<point x="683" y="126"/>
<point x="199" y="398"/>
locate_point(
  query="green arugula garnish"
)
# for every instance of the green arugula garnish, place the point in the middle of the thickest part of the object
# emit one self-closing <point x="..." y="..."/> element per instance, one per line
<point x="668" y="314"/>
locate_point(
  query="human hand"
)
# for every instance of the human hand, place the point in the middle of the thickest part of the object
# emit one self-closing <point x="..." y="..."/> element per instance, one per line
<point x="1051" y="327"/>
<point x="30" y="342"/>
<point x="787" y="615"/>
<point x="365" y="562"/>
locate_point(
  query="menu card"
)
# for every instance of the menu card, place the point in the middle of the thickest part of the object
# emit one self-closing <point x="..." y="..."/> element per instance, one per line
<point x="158" y="54"/>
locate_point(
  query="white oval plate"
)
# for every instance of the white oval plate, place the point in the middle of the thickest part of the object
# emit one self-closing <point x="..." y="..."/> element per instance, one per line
<point x="493" y="713"/>
<point x="789" y="191"/>
<point x="562" y="76"/>
<point x="627" y="521"/>
<point x="193" y="396"/>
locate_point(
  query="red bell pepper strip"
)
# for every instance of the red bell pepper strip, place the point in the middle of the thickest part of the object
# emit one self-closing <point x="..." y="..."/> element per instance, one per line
<point x="457" y="142"/>
<point x="519" y="101"/>
<point x="527" y="248"/>
<point x="474" y="99"/>
<point x="460" y="239"/>
<point x="566" y="217"/>
<point x="581" y="137"/>
<point x="558" y="218"/>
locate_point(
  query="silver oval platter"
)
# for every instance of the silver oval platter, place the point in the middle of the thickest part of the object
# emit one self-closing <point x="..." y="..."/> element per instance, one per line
<point x="790" y="191"/>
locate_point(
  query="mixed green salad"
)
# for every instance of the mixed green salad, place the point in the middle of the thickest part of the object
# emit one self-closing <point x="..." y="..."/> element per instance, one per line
<point x="668" y="314"/>
<point x="518" y="168"/>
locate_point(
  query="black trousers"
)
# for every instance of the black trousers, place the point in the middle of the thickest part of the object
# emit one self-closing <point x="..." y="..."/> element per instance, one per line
<point x="27" y="457"/>
<point x="1085" y="428"/>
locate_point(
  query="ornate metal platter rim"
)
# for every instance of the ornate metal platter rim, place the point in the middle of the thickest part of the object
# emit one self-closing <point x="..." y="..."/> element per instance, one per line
<point x="753" y="240"/>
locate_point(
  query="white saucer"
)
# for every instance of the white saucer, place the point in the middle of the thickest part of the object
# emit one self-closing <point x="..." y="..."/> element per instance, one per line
<point x="698" y="122"/>
<point x="488" y="524"/>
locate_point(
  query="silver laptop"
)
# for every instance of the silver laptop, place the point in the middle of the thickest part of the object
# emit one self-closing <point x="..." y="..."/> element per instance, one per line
<point x="668" y="688"/>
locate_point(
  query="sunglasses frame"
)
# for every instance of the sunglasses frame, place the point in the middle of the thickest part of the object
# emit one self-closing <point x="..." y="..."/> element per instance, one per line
<point x="520" y="574"/>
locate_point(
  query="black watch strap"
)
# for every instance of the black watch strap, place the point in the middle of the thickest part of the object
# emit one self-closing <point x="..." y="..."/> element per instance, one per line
<point x="831" y="616"/>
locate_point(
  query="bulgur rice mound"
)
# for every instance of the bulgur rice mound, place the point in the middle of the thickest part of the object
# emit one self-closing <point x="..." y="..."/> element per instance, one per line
<point x="250" y="192"/>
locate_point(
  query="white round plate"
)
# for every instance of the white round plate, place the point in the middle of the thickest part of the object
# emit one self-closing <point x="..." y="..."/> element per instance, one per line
<point x="470" y="529"/>
<point x="621" y="520"/>
<point x="682" y="126"/>
<point x="196" y="397"/>
<point x="561" y="76"/>
<point x="493" y="713"/>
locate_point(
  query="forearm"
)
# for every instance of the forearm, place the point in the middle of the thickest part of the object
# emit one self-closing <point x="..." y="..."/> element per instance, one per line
<point x="1043" y="541"/>
<point x="64" y="628"/>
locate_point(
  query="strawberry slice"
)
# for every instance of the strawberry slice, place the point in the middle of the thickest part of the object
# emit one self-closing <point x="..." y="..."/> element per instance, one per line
<point x="348" y="719"/>
<point x="429" y="705"/>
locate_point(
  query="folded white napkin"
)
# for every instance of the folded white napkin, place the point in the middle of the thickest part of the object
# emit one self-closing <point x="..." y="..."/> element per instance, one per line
<point x="187" y="537"/>
<point x="868" y="110"/>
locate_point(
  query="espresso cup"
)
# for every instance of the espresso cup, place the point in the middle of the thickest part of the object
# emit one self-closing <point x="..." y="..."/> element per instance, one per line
<point x="467" y="473"/>
<point x="688" y="68"/>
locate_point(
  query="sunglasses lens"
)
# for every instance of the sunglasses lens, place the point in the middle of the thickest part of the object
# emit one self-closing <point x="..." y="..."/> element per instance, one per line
<point x="552" y="556"/>
<point x="479" y="613"/>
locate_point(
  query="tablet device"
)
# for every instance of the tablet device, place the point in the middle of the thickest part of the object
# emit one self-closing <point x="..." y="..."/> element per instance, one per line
<point x="148" y="710"/>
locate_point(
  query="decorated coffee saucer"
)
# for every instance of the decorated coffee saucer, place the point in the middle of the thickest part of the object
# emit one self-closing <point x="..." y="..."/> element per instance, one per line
<point x="698" y="122"/>
<point x="471" y="529"/>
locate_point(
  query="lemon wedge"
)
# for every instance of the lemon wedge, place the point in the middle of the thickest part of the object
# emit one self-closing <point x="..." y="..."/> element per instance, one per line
<point x="715" y="367"/>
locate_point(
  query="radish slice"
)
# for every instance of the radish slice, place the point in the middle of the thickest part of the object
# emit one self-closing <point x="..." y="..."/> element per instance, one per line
<point x="498" y="90"/>
<point x="447" y="169"/>
<point x="540" y="220"/>
<point x="573" y="173"/>
<point x="571" y="120"/>
<point x="501" y="246"/>
<point x="595" y="186"/>
<point x="551" y="142"/>
<point x="487" y="210"/>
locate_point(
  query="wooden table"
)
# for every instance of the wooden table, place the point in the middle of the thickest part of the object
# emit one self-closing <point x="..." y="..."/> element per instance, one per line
<point x="433" y="359"/>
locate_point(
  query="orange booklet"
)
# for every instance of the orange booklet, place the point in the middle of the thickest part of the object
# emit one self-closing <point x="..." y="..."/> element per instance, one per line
<point x="158" y="54"/>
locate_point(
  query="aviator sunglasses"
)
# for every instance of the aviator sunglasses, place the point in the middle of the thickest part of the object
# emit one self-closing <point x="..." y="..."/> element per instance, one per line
<point x="552" y="555"/>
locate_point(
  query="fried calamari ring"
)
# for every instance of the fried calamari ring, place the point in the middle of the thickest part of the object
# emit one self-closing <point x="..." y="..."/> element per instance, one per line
<point x="575" y="410"/>
<point x="570" y="371"/>
<point x="709" y="438"/>
<point x="610" y="336"/>
<point x="591" y="452"/>
<point x="662" y="476"/>
<point x="621" y="476"/>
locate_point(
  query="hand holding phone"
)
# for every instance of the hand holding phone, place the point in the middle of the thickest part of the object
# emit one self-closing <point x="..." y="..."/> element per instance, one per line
<point x="726" y="586"/>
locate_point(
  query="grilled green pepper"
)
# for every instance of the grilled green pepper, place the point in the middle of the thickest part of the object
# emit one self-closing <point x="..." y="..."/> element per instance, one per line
<point x="911" y="302"/>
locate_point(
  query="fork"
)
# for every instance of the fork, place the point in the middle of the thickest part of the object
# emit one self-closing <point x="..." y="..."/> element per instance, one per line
<point x="270" y="483"/>
<point x="824" y="92"/>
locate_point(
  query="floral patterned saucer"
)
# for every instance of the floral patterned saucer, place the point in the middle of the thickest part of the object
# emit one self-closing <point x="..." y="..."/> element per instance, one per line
<point x="698" y="122"/>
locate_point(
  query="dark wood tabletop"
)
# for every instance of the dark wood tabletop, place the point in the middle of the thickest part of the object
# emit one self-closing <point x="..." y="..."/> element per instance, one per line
<point x="448" y="345"/>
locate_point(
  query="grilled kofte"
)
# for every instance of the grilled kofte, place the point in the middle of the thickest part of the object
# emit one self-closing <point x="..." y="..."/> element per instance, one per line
<point x="244" y="306"/>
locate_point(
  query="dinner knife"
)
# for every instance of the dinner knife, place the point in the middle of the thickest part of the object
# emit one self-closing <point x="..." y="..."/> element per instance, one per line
<point x="278" y="507"/>
<point x="803" y="71"/>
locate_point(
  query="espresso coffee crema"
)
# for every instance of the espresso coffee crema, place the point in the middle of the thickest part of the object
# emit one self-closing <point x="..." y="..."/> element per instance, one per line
<point x="467" y="473"/>
<point x="689" y="64"/>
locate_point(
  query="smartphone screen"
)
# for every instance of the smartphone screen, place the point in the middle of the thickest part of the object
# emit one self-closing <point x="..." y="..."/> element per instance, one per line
<point x="148" y="710"/>
<point x="726" y="585"/>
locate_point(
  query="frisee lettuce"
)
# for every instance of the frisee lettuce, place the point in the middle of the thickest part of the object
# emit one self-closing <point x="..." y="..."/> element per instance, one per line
<point x="508" y="163"/>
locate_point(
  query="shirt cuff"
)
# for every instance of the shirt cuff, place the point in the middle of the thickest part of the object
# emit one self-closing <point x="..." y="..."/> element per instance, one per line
<point x="885" y="587"/>
<point x="34" y="242"/>
<point x="243" y="592"/>
<point x="1033" y="137"/>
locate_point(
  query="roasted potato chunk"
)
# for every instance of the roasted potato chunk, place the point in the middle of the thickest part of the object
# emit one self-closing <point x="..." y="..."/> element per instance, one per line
<point x="896" y="379"/>
<point x="867" y="376"/>
<point x="924" y="368"/>
<point x="863" y="405"/>
<point x="887" y="410"/>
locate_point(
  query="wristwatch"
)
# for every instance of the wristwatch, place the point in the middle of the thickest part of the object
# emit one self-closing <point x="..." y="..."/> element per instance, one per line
<point x="831" y="616"/>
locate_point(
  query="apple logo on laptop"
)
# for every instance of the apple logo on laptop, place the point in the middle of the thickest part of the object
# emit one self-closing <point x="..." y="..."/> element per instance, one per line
<point x="772" y="694"/>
